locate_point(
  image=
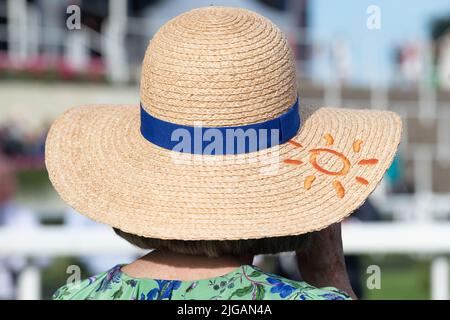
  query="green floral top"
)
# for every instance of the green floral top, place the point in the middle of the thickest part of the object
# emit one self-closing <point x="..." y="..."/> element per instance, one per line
<point x="244" y="283"/>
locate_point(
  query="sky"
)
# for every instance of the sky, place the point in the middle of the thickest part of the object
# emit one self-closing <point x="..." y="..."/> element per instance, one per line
<point x="401" y="20"/>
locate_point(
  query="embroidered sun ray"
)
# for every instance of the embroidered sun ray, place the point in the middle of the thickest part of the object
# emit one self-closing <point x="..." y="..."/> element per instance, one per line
<point x="339" y="188"/>
<point x="368" y="162"/>
<point x="294" y="162"/>
<point x="309" y="181"/>
<point x="340" y="157"/>
<point x="329" y="139"/>
<point x="295" y="144"/>
<point x="357" y="145"/>
<point x="361" y="180"/>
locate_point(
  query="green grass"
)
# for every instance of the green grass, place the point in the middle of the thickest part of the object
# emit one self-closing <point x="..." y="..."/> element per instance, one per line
<point x="401" y="278"/>
<point x="33" y="181"/>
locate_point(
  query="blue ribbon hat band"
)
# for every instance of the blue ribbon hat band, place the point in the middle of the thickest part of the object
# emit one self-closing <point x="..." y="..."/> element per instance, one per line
<point x="221" y="140"/>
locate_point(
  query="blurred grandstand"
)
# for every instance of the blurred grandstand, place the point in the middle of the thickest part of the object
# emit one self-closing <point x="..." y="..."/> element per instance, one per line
<point x="45" y="69"/>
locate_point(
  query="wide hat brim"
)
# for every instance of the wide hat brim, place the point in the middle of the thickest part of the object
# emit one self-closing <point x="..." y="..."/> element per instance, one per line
<point x="102" y="167"/>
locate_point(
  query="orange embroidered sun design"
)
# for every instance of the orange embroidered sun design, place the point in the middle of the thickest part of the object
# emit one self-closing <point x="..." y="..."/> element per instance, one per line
<point x="346" y="164"/>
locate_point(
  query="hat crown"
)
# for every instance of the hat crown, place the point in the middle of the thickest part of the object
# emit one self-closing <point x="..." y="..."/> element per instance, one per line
<point x="218" y="66"/>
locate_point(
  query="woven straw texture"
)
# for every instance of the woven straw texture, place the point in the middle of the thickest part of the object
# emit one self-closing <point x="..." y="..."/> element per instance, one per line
<point x="220" y="67"/>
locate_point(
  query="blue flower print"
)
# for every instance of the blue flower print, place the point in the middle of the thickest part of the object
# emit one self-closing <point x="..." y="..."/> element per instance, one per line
<point x="113" y="276"/>
<point x="283" y="289"/>
<point x="132" y="283"/>
<point x="332" y="296"/>
<point x="151" y="295"/>
<point x="164" y="290"/>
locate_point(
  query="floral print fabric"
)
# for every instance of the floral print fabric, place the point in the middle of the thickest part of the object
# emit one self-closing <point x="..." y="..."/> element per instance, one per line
<point x="244" y="283"/>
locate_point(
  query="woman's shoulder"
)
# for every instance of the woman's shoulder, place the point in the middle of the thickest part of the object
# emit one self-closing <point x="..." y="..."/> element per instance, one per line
<point x="246" y="282"/>
<point x="277" y="287"/>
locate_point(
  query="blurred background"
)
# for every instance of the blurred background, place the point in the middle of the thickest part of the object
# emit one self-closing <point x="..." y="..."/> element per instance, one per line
<point x="355" y="53"/>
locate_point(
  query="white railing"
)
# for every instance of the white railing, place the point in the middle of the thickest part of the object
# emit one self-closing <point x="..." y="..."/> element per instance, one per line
<point x="431" y="239"/>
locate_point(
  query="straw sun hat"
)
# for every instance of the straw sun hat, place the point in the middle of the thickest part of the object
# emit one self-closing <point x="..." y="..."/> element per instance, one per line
<point x="219" y="68"/>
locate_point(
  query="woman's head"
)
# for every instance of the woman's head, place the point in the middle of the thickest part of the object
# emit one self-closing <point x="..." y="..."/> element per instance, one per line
<point x="216" y="248"/>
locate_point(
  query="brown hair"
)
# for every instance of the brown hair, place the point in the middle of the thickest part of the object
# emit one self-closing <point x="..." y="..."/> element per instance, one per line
<point x="215" y="248"/>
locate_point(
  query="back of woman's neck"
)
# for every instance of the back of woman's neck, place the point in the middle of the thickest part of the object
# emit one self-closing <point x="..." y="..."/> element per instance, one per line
<point x="175" y="266"/>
